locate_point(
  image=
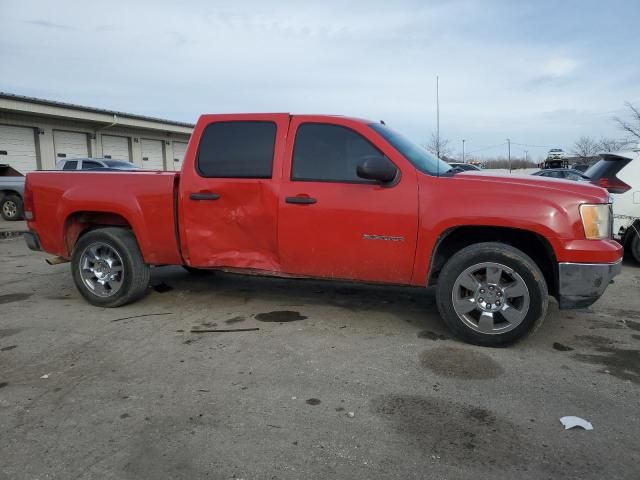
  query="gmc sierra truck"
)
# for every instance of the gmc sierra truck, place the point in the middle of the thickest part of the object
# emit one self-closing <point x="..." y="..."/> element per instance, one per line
<point x="337" y="198"/>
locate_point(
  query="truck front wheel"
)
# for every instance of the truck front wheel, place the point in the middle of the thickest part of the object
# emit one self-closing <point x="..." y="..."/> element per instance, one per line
<point x="634" y="243"/>
<point x="108" y="268"/>
<point x="491" y="294"/>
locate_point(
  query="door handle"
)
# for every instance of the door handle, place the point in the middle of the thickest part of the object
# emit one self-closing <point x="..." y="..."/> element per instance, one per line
<point x="300" y="200"/>
<point x="204" y="196"/>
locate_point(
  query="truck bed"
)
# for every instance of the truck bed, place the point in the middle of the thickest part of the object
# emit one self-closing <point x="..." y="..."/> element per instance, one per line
<point x="66" y="203"/>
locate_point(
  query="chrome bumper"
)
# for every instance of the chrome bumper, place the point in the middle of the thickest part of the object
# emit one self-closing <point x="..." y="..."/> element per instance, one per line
<point x="581" y="284"/>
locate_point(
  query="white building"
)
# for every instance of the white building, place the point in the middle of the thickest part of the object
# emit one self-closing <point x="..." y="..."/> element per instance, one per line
<point x="36" y="133"/>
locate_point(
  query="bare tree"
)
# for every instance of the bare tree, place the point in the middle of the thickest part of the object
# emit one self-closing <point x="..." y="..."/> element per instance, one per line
<point x="585" y="148"/>
<point x="611" y="144"/>
<point x="632" y="126"/>
<point x="439" y="146"/>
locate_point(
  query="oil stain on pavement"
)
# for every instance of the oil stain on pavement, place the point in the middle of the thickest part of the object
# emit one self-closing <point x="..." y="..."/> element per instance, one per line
<point x="7" y="332"/>
<point x="233" y="320"/>
<point x="460" y="363"/>
<point x="280" y="316"/>
<point x="561" y="348"/>
<point x="13" y="297"/>
<point x="470" y="434"/>
<point x="429" y="335"/>
<point x="620" y="363"/>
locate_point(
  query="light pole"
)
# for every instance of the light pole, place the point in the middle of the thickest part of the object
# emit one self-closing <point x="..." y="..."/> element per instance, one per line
<point x="509" y="153"/>
<point x="463" y="150"/>
<point x="525" y="155"/>
<point x="437" y="116"/>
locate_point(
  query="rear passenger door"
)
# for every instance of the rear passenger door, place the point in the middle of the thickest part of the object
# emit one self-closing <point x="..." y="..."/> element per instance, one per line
<point x="229" y="195"/>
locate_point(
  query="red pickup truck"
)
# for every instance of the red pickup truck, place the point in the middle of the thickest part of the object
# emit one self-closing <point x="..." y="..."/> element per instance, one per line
<point x="338" y="198"/>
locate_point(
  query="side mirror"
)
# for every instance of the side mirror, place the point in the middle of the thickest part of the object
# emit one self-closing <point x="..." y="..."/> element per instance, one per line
<point x="377" y="168"/>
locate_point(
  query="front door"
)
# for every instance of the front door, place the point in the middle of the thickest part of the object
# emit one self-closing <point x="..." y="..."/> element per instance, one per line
<point x="229" y="193"/>
<point x="333" y="223"/>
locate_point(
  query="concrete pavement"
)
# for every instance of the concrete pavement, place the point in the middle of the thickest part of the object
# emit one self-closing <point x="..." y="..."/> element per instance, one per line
<point x="340" y="381"/>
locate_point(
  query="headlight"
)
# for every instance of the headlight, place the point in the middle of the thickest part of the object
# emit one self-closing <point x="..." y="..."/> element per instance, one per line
<point x="596" y="220"/>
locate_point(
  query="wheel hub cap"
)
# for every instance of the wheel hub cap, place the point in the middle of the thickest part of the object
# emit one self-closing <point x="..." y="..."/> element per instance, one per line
<point x="10" y="209"/>
<point x="490" y="298"/>
<point x="101" y="269"/>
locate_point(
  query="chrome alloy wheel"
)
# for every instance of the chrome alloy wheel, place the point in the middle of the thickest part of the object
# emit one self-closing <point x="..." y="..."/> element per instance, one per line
<point x="490" y="298"/>
<point x="101" y="269"/>
<point x="10" y="209"/>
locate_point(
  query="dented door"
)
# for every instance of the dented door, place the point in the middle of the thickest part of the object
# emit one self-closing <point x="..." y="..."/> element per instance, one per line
<point x="229" y="192"/>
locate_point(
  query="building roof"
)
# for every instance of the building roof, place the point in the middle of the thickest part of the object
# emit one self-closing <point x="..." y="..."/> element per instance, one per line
<point x="17" y="100"/>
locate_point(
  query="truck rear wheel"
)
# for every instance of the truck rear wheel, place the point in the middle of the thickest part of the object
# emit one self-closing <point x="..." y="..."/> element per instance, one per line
<point x="108" y="268"/>
<point x="492" y="294"/>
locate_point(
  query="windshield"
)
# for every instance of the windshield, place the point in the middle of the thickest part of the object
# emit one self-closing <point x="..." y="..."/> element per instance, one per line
<point x="418" y="156"/>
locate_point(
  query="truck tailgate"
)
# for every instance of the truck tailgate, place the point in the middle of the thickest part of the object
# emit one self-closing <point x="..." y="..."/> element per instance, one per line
<point x="65" y="203"/>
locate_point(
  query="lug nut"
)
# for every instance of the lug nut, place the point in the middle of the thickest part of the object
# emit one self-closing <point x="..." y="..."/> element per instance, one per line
<point x="488" y="305"/>
<point x="499" y="294"/>
<point x="482" y="290"/>
<point x="491" y="287"/>
<point x="481" y="299"/>
<point x="498" y="303"/>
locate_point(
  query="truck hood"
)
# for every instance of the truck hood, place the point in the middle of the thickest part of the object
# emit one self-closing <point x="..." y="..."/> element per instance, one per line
<point x="583" y="190"/>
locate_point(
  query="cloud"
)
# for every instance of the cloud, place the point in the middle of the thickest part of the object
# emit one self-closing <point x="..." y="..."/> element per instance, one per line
<point x="47" y="24"/>
<point x="559" y="66"/>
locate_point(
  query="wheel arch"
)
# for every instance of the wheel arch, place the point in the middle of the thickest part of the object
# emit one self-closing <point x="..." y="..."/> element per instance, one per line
<point x="79" y="223"/>
<point x="533" y="244"/>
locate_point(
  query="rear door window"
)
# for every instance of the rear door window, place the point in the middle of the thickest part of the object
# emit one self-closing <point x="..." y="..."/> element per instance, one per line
<point x="239" y="149"/>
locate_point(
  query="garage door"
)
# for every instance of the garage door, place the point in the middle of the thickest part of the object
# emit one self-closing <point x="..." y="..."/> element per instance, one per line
<point x="18" y="148"/>
<point x="152" y="154"/>
<point x="70" y="145"/>
<point x="116" y="148"/>
<point x="179" y="148"/>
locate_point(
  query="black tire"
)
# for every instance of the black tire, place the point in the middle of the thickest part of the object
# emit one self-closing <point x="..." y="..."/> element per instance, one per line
<point x="197" y="272"/>
<point x="634" y="243"/>
<point x="493" y="253"/>
<point x="135" y="272"/>
<point x="11" y="208"/>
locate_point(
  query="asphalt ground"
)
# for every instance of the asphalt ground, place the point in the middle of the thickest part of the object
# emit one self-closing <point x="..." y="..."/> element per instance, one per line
<point x="339" y="381"/>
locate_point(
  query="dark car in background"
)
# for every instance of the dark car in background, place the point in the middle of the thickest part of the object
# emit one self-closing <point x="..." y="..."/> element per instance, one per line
<point x="467" y="167"/>
<point x="563" y="173"/>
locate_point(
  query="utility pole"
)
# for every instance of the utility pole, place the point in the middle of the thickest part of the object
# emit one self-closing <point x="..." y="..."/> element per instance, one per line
<point x="525" y="155"/>
<point x="437" y="116"/>
<point x="463" y="150"/>
<point x="509" y="153"/>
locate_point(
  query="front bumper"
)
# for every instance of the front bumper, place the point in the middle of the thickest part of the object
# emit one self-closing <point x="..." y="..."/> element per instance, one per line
<point x="581" y="284"/>
<point x="32" y="241"/>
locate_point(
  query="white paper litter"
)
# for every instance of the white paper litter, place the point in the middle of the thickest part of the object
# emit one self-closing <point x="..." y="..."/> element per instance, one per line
<point x="46" y="375"/>
<point x="572" y="422"/>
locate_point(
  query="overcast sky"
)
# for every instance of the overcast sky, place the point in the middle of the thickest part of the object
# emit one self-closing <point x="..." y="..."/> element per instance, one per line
<point x="539" y="72"/>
